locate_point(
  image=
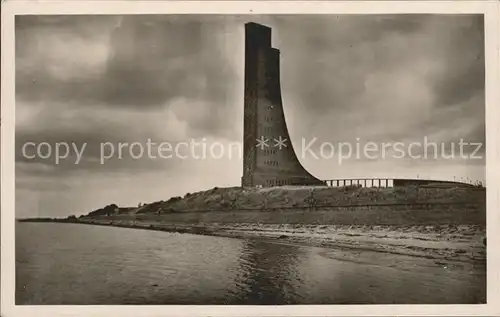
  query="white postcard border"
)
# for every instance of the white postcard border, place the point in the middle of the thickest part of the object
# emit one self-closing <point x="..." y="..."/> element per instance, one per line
<point x="7" y="185"/>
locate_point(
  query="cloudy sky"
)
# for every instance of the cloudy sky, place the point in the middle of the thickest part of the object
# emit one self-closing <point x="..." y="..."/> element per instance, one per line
<point x="124" y="79"/>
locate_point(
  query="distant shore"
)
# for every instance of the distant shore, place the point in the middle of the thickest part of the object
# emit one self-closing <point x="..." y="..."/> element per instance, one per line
<point x="444" y="244"/>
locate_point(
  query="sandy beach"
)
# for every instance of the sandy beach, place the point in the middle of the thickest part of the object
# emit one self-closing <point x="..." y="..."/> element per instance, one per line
<point x="445" y="244"/>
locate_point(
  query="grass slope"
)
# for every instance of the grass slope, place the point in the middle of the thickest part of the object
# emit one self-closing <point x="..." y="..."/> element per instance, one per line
<point x="289" y="205"/>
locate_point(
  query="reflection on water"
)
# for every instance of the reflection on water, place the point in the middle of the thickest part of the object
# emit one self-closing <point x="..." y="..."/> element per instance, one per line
<point x="81" y="264"/>
<point x="269" y="273"/>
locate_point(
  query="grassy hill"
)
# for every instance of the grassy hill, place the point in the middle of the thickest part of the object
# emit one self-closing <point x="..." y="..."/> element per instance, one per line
<point x="237" y="199"/>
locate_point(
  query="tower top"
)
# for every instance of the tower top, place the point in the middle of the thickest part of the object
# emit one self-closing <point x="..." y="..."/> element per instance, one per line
<point x="256" y="26"/>
<point x="257" y="34"/>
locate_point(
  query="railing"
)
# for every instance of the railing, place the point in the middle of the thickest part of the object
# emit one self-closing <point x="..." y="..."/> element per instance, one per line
<point x="393" y="182"/>
<point x="363" y="182"/>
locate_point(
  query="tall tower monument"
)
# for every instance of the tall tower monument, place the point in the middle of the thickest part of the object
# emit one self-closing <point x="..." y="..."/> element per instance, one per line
<point x="268" y="156"/>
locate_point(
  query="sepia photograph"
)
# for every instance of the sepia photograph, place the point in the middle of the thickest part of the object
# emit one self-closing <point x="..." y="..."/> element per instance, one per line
<point x="265" y="159"/>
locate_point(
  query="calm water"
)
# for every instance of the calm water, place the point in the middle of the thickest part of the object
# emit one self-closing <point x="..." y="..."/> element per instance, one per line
<point x="83" y="264"/>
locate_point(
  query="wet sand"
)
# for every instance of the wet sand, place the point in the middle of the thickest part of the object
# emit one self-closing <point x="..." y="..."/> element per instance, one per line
<point x="445" y="245"/>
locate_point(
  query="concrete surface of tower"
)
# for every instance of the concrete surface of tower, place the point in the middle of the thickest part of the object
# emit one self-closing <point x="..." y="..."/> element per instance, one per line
<point x="271" y="161"/>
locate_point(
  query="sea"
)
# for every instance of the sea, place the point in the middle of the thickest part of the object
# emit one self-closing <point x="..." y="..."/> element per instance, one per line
<point x="75" y="264"/>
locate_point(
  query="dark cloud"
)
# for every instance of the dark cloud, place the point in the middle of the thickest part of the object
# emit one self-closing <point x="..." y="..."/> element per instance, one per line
<point x="463" y="73"/>
<point x="150" y="61"/>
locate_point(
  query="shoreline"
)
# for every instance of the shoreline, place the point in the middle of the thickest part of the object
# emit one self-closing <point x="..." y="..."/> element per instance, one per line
<point x="444" y="244"/>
